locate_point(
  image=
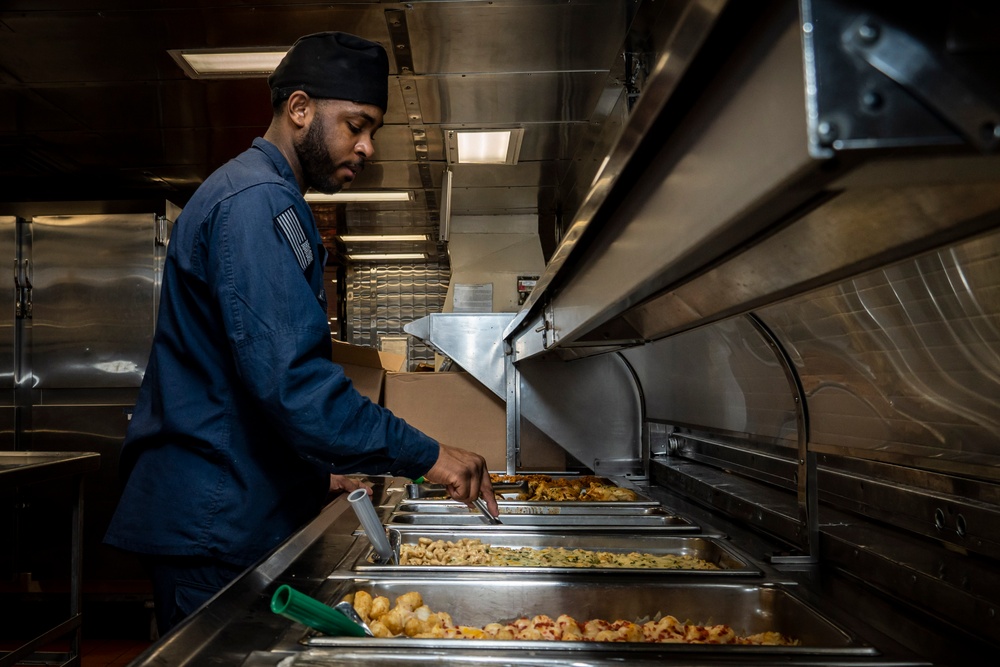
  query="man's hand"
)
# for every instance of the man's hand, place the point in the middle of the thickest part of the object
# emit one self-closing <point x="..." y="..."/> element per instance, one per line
<point x="342" y="484"/>
<point x="465" y="475"/>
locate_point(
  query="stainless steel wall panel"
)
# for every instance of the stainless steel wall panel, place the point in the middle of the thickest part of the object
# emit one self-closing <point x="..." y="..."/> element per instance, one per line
<point x="722" y="378"/>
<point x="488" y="99"/>
<point x="903" y="364"/>
<point x="93" y="299"/>
<point x="592" y="407"/>
<point x="394" y="175"/>
<point x="472" y="201"/>
<point x="480" y="34"/>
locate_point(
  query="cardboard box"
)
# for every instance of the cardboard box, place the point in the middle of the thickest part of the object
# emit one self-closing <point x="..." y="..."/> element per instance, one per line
<point x="457" y="410"/>
<point x="366" y="367"/>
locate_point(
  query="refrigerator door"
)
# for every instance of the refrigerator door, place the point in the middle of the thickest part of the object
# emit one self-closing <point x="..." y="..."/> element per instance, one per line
<point x="95" y="283"/>
<point x="8" y="327"/>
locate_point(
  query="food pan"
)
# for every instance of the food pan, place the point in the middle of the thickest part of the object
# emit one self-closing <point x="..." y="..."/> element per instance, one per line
<point x="710" y="549"/>
<point x="472" y="519"/>
<point x="525" y="507"/>
<point x="641" y="499"/>
<point x="472" y="601"/>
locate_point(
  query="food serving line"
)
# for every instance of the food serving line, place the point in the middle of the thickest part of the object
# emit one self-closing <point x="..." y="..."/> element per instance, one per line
<point x="332" y="559"/>
<point x="774" y="318"/>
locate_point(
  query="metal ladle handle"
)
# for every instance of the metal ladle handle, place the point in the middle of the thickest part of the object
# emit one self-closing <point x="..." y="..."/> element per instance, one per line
<point x="362" y="505"/>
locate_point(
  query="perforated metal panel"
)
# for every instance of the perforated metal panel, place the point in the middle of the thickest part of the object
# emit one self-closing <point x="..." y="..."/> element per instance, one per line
<point x="382" y="298"/>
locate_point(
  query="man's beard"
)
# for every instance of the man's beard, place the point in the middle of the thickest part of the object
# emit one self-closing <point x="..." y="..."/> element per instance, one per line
<point x="318" y="167"/>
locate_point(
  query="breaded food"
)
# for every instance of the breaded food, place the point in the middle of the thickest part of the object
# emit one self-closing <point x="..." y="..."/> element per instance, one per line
<point x="411" y="618"/>
<point x="586" y="488"/>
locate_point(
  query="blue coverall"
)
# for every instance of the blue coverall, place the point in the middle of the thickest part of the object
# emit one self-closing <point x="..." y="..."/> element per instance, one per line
<point x="242" y="415"/>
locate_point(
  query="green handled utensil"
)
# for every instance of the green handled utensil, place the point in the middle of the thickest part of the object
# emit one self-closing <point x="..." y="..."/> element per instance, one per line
<point x="310" y="612"/>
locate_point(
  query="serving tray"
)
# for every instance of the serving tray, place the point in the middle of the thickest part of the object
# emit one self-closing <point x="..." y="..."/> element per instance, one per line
<point x="474" y="601"/>
<point x="711" y="549"/>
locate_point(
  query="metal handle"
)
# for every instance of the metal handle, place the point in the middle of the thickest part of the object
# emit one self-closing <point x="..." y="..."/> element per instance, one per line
<point x="484" y="510"/>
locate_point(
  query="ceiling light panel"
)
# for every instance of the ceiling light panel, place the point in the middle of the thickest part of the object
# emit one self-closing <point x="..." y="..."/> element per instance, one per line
<point x="382" y="238"/>
<point x="229" y="64"/>
<point x="482" y="146"/>
<point x="359" y="196"/>
<point x="385" y="256"/>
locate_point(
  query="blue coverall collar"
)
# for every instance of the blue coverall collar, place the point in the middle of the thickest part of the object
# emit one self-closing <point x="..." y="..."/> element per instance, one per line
<point x="280" y="163"/>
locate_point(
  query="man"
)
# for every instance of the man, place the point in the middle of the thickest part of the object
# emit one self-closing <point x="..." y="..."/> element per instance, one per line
<point x="242" y="416"/>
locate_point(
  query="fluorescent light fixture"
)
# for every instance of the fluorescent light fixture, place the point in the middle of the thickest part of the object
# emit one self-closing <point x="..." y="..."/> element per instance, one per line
<point x="378" y="238"/>
<point x="499" y="146"/>
<point x="444" y="228"/>
<point x="381" y="256"/>
<point x="482" y="147"/>
<point x="359" y="196"/>
<point x="228" y="64"/>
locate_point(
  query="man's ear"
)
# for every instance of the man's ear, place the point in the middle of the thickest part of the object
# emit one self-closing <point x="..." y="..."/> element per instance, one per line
<point x="299" y="108"/>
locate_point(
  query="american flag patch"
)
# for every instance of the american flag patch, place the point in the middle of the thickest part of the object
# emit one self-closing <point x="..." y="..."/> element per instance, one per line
<point x="291" y="228"/>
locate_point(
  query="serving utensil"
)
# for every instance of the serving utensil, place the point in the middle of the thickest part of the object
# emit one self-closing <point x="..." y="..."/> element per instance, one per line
<point x="301" y="608"/>
<point x="347" y="609"/>
<point x="480" y="505"/>
<point x="417" y="491"/>
<point x="374" y="531"/>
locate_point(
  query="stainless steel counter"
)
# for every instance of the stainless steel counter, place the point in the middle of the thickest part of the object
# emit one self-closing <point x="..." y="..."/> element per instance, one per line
<point x="20" y="469"/>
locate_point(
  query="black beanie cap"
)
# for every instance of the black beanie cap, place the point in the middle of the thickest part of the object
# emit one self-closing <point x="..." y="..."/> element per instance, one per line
<point x="333" y="65"/>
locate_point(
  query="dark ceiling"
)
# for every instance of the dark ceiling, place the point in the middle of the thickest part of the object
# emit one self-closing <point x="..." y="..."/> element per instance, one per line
<point x="93" y="107"/>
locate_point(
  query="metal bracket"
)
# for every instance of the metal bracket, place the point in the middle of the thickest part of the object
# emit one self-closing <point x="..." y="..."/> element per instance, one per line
<point x="162" y="233"/>
<point x="914" y="67"/>
<point x="512" y="379"/>
<point x="399" y="33"/>
<point x="548" y="328"/>
<point x="23" y="287"/>
<point x="884" y="81"/>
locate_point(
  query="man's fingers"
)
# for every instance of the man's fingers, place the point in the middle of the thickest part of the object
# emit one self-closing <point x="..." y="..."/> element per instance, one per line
<point x="463" y="492"/>
<point x="464" y="474"/>
<point x="486" y="490"/>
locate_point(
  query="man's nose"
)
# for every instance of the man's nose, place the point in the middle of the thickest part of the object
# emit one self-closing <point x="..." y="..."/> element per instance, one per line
<point x="365" y="147"/>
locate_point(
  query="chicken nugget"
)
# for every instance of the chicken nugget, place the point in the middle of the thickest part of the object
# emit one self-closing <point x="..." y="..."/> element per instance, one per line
<point x="380" y="606"/>
<point x="394" y="620"/>
<point x="413" y="627"/>
<point x="379" y="630"/>
<point x="409" y="601"/>
<point x="363" y="604"/>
